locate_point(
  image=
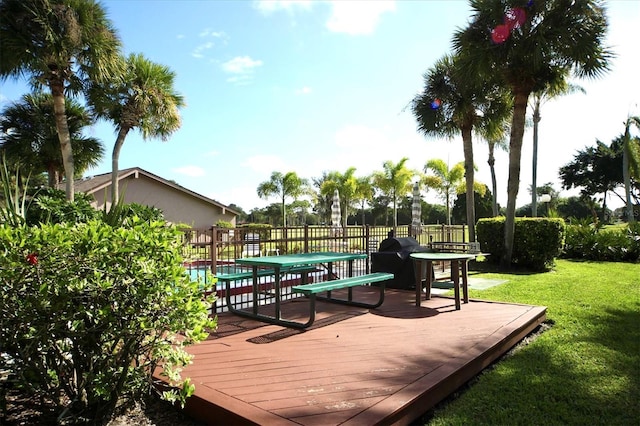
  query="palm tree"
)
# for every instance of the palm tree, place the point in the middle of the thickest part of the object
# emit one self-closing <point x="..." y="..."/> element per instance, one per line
<point x="557" y="37"/>
<point x="29" y="137"/>
<point x="145" y="99"/>
<point x="500" y="142"/>
<point x="347" y="186"/>
<point x="445" y="181"/>
<point x="284" y="186"/>
<point x="630" y="162"/>
<point x="61" y="44"/>
<point x="452" y="102"/>
<point x="395" y="182"/>
<point x="364" y="193"/>
<point x="551" y="90"/>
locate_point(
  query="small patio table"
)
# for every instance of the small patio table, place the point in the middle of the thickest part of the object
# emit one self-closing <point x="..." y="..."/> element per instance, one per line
<point x="280" y="264"/>
<point x="459" y="261"/>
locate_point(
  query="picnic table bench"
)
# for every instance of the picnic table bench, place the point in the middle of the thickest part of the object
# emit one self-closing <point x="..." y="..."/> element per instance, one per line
<point x="312" y="290"/>
<point x="227" y="279"/>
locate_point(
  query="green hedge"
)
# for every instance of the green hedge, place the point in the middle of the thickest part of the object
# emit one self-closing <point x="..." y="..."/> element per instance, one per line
<point x="537" y="241"/>
<point x="89" y="310"/>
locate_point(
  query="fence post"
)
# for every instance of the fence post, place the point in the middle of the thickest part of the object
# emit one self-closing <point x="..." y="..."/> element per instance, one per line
<point x="214" y="250"/>
<point x="306" y="238"/>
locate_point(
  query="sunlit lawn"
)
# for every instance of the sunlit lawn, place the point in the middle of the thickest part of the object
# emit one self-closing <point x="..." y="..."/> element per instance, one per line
<point x="584" y="370"/>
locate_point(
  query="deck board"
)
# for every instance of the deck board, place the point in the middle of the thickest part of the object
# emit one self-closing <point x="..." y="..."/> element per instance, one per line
<point x="354" y="366"/>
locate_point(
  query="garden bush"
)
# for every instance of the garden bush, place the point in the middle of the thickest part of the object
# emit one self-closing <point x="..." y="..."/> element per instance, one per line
<point x="89" y="310"/>
<point x="587" y="241"/>
<point x="537" y="241"/>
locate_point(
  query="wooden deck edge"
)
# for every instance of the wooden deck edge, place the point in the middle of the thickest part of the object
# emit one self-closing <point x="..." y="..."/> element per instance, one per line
<point x="207" y="404"/>
<point x="419" y="397"/>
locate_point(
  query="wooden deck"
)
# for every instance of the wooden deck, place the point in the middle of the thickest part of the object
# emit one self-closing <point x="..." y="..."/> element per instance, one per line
<point x="353" y="366"/>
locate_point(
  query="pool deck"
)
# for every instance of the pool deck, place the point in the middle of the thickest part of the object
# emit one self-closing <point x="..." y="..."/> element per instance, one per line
<point x="354" y="366"/>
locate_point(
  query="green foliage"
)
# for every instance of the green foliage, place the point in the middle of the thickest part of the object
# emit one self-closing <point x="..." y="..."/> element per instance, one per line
<point x="121" y="214"/>
<point x="537" y="241"/>
<point x="88" y="311"/>
<point x="14" y="206"/>
<point x="224" y="224"/>
<point x="590" y="242"/>
<point x="51" y="206"/>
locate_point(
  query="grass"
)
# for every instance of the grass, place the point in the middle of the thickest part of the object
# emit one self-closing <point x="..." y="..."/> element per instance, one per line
<point x="585" y="369"/>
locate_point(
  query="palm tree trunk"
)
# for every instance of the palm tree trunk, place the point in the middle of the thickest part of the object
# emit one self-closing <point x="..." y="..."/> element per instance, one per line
<point x="626" y="175"/>
<point x="469" y="177"/>
<point x="284" y="212"/>
<point x="448" y="208"/>
<point x="513" y="184"/>
<point x="534" y="193"/>
<point x="57" y="92"/>
<point x="395" y="215"/>
<point x="494" y="185"/>
<point x="115" y="155"/>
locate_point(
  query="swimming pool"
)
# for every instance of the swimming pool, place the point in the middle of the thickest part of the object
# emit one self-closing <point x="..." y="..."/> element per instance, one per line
<point x="199" y="273"/>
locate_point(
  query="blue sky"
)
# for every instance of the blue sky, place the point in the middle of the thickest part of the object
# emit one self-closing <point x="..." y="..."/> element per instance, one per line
<point x="321" y="86"/>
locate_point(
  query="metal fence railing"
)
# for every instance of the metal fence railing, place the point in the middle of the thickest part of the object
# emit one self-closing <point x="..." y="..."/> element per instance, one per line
<point x="212" y="251"/>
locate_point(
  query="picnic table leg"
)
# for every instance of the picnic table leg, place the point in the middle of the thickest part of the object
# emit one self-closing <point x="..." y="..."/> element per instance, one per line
<point x="418" y="267"/>
<point x="455" y="277"/>
<point x="254" y="280"/>
<point x="277" y="285"/>
<point x="429" y="279"/>
<point x="465" y="283"/>
<point x="350" y="273"/>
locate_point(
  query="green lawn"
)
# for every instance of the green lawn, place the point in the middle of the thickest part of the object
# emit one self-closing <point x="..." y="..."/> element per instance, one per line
<point x="584" y="370"/>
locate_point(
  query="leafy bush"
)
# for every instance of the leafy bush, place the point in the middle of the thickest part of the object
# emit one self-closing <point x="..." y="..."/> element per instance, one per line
<point x="51" y="206"/>
<point x="537" y="241"/>
<point x="590" y="242"/>
<point x="88" y="311"/>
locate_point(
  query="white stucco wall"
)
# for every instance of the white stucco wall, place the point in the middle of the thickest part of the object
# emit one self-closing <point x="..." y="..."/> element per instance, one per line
<point x="177" y="206"/>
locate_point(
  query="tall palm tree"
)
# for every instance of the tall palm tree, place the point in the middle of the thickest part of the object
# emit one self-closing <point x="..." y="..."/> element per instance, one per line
<point x="556" y="37"/>
<point x="145" y="99"/>
<point x="395" y="182"/>
<point x="347" y="186"/>
<point x="29" y="137"/>
<point x="453" y="102"/>
<point x="495" y="141"/>
<point x="364" y="193"/>
<point x="285" y="186"/>
<point x="445" y="181"/>
<point x="61" y="44"/>
<point x="551" y="90"/>
<point x="630" y="162"/>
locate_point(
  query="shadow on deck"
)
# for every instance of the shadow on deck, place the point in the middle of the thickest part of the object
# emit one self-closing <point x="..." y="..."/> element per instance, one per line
<point x="353" y="366"/>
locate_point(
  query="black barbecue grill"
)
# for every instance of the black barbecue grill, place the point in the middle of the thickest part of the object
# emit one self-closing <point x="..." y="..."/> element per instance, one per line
<point x="393" y="256"/>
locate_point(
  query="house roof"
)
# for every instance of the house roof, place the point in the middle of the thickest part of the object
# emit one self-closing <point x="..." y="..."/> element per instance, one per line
<point x="96" y="183"/>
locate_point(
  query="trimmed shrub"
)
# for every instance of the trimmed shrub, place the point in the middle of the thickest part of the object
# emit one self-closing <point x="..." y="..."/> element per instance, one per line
<point x="537" y="241"/>
<point x="88" y="312"/>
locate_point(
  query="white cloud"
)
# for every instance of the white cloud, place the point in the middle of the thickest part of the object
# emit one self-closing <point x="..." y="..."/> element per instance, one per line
<point x="197" y="52"/>
<point x="215" y="34"/>
<point x="357" y="17"/>
<point x="303" y="91"/>
<point x="270" y="6"/>
<point x="264" y="163"/>
<point x="192" y="171"/>
<point x="241" y="65"/>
